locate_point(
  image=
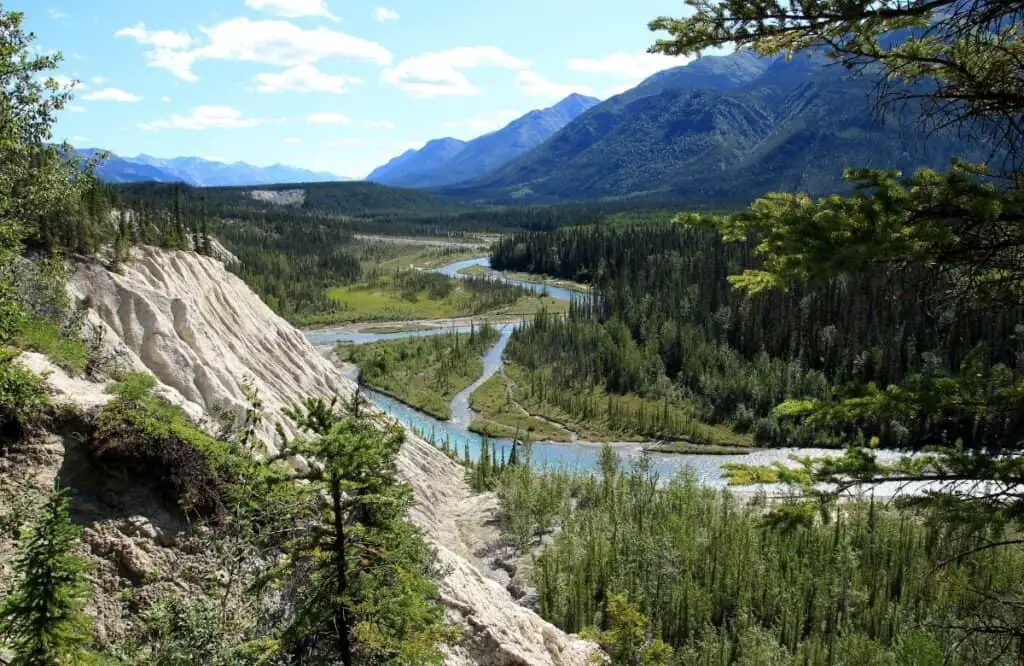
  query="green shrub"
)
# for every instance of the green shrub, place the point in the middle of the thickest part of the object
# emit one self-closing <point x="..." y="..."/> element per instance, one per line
<point x="134" y="386"/>
<point x="155" y="440"/>
<point x="23" y="397"/>
<point x="46" y="337"/>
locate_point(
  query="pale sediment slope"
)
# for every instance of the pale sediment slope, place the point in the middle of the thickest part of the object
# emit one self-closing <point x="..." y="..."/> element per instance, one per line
<point x="201" y="332"/>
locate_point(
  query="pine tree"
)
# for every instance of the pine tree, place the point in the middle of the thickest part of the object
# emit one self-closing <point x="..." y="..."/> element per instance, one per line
<point x="42" y="618"/>
<point x="205" y="242"/>
<point x="370" y="599"/>
<point x="179" y="234"/>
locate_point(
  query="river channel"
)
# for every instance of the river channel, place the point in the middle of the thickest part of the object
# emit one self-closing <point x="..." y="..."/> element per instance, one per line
<point x="577" y="456"/>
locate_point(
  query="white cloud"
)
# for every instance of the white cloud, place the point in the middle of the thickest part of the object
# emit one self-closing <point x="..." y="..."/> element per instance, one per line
<point x="385" y="14"/>
<point x="379" y="124"/>
<point x="293" y="141"/>
<point x="476" y="126"/>
<point x="534" y="85"/>
<point x="74" y="108"/>
<point x="208" y="117"/>
<point x="99" y="80"/>
<point x="57" y="15"/>
<point x="304" y="78"/>
<point x="293" y="8"/>
<point x="161" y="39"/>
<point x="328" y="119"/>
<point x="112" y="95"/>
<point x="634" y="67"/>
<point x="78" y="139"/>
<point x="165" y="99"/>
<point x="270" y="42"/>
<point x="440" y="72"/>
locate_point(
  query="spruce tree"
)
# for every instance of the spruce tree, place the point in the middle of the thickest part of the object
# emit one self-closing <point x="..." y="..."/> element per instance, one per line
<point x="369" y="598"/>
<point x="42" y="618"/>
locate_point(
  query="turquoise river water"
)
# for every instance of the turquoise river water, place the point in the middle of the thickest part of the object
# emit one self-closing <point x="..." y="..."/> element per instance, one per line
<point x="576" y="456"/>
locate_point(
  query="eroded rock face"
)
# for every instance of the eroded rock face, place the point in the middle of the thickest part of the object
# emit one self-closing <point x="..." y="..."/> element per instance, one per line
<point x="200" y="331"/>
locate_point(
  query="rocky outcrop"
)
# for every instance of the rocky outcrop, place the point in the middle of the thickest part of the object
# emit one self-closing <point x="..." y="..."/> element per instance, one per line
<point x="201" y="332"/>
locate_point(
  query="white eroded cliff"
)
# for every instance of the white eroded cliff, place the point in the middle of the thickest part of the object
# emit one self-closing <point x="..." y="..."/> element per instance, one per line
<point x="201" y="332"/>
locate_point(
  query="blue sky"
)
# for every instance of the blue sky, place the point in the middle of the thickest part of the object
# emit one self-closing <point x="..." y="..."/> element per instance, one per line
<point x="334" y="85"/>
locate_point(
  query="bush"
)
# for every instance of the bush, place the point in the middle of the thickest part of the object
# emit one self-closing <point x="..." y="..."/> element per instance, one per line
<point x="155" y="440"/>
<point x="23" y="397"/>
<point x="36" y="313"/>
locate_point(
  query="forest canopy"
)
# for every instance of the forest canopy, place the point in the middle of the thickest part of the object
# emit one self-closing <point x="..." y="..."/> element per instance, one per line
<point x="960" y="236"/>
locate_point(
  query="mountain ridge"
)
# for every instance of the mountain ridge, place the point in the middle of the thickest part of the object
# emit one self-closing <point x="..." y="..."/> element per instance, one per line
<point x="719" y="130"/>
<point x="446" y="161"/>
<point x="199" y="171"/>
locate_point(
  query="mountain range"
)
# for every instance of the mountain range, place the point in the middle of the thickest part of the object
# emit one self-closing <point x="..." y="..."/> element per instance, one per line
<point x="198" y="171"/>
<point x="722" y="130"/>
<point x="448" y="161"/>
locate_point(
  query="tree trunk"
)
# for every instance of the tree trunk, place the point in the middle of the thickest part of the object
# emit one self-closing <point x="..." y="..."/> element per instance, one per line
<point x="341" y="617"/>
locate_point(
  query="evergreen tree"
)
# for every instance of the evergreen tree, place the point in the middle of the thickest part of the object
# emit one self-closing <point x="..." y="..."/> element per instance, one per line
<point x="369" y="599"/>
<point x="178" y="238"/>
<point x="42" y="618"/>
<point x="205" y="245"/>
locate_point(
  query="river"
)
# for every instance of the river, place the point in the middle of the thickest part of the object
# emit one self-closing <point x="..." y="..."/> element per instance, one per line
<point x="561" y="293"/>
<point x="576" y="456"/>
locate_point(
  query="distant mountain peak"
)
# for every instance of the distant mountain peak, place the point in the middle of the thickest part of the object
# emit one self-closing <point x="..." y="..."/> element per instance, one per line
<point x="578" y="98"/>
<point x="720" y="129"/>
<point x="201" y="172"/>
<point x="447" y="160"/>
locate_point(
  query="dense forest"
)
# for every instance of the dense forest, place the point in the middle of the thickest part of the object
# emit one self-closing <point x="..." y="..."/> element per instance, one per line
<point x="372" y="208"/>
<point x="293" y="256"/>
<point x="665" y="572"/>
<point x="663" y="307"/>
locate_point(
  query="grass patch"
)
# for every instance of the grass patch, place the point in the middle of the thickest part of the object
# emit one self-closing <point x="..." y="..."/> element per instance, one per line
<point x="532" y="305"/>
<point x="431" y="257"/>
<point x="498" y="416"/>
<point x="423" y="295"/>
<point x="396" y="328"/>
<point x="425" y="372"/>
<point x="548" y="280"/>
<point x="46" y="337"/>
<point x="476" y="271"/>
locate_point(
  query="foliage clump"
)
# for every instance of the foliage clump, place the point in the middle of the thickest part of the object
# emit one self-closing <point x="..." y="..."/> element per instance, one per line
<point x="425" y="372"/>
<point x="154" y="440"/>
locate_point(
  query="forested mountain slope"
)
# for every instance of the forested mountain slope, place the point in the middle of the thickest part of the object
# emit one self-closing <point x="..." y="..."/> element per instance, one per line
<point x="414" y="164"/>
<point x="447" y="161"/>
<point x="748" y="127"/>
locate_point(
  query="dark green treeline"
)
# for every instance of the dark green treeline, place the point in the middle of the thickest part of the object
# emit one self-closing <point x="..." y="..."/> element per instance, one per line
<point x="663" y="310"/>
